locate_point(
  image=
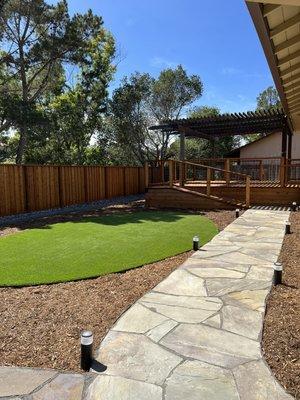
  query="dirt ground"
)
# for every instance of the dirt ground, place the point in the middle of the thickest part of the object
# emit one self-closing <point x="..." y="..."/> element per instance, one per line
<point x="281" y="337"/>
<point x="41" y="325"/>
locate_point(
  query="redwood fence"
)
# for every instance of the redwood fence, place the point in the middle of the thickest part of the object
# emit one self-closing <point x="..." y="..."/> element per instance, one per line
<point x="26" y="188"/>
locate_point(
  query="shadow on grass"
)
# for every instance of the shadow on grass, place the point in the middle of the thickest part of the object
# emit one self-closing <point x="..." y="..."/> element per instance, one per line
<point x="115" y="218"/>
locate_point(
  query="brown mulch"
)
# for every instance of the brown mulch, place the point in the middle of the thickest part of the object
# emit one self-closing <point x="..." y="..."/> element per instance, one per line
<point x="41" y="325"/>
<point x="281" y="336"/>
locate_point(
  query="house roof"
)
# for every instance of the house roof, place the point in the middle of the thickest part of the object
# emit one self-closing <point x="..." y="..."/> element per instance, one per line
<point x="278" y="27"/>
<point x="227" y="124"/>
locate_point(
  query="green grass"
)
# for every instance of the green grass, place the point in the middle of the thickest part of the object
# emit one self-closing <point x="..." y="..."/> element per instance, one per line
<point x="97" y="246"/>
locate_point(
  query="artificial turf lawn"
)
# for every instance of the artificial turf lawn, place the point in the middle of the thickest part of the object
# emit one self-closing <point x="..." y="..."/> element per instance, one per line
<point x="95" y="246"/>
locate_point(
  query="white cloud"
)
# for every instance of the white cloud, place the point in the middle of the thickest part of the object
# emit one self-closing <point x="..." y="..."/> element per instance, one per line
<point x="161" y="62"/>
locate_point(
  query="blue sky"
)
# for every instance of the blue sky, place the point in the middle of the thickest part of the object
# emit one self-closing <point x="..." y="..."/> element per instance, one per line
<point x="214" y="39"/>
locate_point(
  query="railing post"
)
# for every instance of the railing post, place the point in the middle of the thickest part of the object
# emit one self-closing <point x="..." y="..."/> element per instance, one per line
<point x="261" y="170"/>
<point x="208" y="181"/>
<point x="282" y="172"/>
<point x="146" y="176"/>
<point x="162" y="167"/>
<point x="248" y="191"/>
<point x="181" y="174"/>
<point x="227" y="173"/>
<point x="171" y="178"/>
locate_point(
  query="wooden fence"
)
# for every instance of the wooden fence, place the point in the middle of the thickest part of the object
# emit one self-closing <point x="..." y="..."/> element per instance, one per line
<point x="26" y="188"/>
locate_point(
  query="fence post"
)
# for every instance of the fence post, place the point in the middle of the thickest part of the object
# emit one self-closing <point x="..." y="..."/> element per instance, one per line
<point x="248" y="191"/>
<point x="208" y="181"/>
<point x="146" y="176"/>
<point x="25" y="183"/>
<point x="282" y="172"/>
<point x="227" y="173"/>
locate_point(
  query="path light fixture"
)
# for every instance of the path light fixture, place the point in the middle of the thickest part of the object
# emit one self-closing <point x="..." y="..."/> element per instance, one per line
<point x="86" y="341"/>
<point x="294" y="206"/>
<point x="277" y="273"/>
<point x="287" y="227"/>
<point x="196" y="243"/>
<point x="237" y="212"/>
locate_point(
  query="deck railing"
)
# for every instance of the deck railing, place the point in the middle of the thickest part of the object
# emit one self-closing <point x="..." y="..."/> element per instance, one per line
<point x="276" y="170"/>
<point x="182" y="173"/>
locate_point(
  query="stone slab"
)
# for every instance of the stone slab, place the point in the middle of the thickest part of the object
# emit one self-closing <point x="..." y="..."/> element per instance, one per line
<point x="242" y="322"/>
<point x="211" y="345"/>
<point x="194" y="380"/>
<point x="135" y="356"/>
<point x="21" y="381"/>
<point x="118" y="388"/>
<point x="182" y="283"/>
<point x="138" y="319"/>
<point x="63" y="387"/>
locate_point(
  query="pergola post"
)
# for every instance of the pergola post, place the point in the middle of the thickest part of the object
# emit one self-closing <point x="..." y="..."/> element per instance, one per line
<point x="182" y="176"/>
<point x="182" y="146"/>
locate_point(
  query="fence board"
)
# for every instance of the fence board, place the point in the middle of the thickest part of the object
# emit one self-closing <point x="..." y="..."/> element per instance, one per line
<point x="36" y="187"/>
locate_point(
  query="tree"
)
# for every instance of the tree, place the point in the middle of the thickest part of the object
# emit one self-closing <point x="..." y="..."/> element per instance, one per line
<point x="37" y="41"/>
<point x="203" y="148"/>
<point x="268" y="100"/>
<point x="142" y="101"/>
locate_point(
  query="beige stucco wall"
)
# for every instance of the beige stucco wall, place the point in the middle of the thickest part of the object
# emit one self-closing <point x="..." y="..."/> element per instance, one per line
<point x="270" y="146"/>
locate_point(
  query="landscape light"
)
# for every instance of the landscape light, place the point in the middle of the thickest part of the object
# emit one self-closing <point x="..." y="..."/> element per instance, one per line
<point x="287" y="227"/>
<point x="195" y="243"/>
<point x="86" y="358"/>
<point x="294" y="206"/>
<point x="277" y="273"/>
<point x="237" y="212"/>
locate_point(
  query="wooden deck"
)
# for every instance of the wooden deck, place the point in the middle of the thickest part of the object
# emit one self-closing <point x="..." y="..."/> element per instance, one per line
<point x="234" y="190"/>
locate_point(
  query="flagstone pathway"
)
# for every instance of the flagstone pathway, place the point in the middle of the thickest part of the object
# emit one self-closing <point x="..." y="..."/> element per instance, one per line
<point x="196" y="335"/>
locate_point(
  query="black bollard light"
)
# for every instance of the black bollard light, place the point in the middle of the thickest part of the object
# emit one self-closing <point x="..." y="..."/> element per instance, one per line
<point x="294" y="206"/>
<point x="237" y="212"/>
<point x="195" y="243"/>
<point x="86" y="359"/>
<point x="287" y="227"/>
<point x="277" y="273"/>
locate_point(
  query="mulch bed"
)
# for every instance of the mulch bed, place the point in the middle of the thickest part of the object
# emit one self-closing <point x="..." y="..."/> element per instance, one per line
<point x="281" y="336"/>
<point x="41" y="325"/>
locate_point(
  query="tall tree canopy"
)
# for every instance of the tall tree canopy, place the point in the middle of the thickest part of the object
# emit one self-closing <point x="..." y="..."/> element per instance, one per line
<point x="39" y="43"/>
<point x="141" y="101"/>
<point x="268" y="99"/>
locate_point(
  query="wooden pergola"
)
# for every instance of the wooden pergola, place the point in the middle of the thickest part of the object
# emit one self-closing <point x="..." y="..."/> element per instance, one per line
<point x="236" y="124"/>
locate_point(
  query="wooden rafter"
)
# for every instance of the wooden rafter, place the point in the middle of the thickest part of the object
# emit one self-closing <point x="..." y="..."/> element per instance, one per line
<point x="269" y="8"/>
<point x="293" y="95"/>
<point x="295" y="101"/>
<point x="291" y="79"/>
<point x="291" y="87"/>
<point x="288" y="58"/>
<point x="227" y="124"/>
<point x="289" y="70"/>
<point x="287" y="43"/>
<point x="284" y="26"/>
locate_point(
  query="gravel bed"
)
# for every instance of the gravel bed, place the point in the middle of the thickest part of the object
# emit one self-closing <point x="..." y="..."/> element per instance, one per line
<point x="96" y="205"/>
<point x="41" y="325"/>
<point x="281" y="335"/>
